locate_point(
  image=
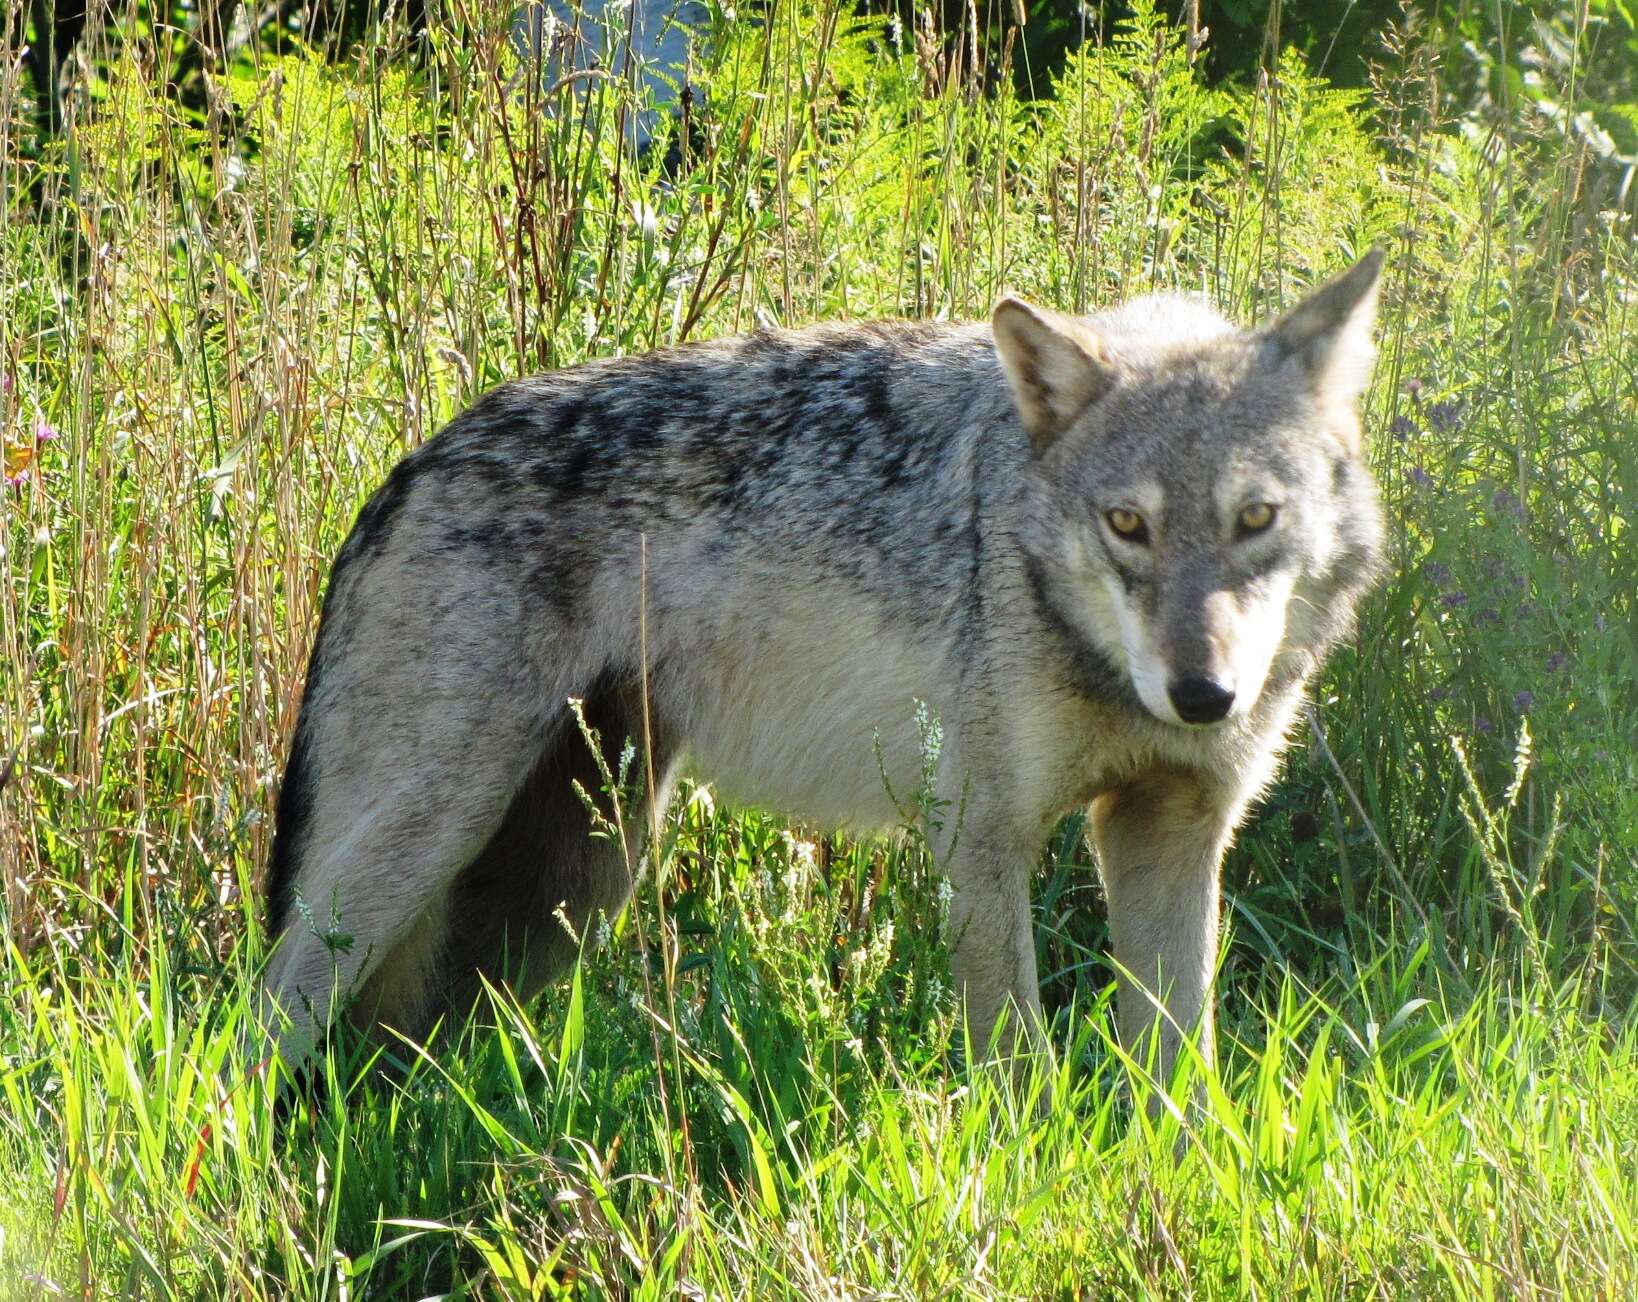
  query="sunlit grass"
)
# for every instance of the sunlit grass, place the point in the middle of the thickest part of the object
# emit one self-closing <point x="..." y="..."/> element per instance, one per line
<point x="1345" y="1142"/>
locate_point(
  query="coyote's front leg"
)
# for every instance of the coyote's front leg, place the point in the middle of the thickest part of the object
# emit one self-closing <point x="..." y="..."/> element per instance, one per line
<point x="1160" y="841"/>
<point x="992" y="937"/>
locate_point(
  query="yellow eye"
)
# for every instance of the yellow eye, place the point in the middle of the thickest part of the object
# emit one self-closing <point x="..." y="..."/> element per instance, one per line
<point x="1256" y="517"/>
<point x="1128" y="524"/>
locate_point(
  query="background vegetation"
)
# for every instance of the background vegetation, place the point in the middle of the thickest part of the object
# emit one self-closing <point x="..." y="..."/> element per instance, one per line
<point x="230" y="297"/>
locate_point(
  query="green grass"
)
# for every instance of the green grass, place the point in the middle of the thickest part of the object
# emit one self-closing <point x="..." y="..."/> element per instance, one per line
<point x="1372" y="1140"/>
<point x="237" y="319"/>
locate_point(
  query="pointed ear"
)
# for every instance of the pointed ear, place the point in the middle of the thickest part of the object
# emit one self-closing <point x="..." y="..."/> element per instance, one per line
<point x="1056" y="366"/>
<point x="1329" y="333"/>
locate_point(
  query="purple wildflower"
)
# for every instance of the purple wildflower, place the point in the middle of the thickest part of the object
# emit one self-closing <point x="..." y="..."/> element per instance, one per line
<point x="1413" y="387"/>
<point x="1453" y="600"/>
<point x="43" y="431"/>
<point x="1489" y="615"/>
<point x="1420" y="477"/>
<point x="1523" y="701"/>
<point x="1445" y="416"/>
<point x="1443" y="692"/>
<point x="1437" y="574"/>
<point x="1557" y="661"/>
<point x="1482" y="724"/>
<point x="17" y="480"/>
<point x="5" y="384"/>
<point x="1504" y="503"/>
<point x="1402" y="427"/>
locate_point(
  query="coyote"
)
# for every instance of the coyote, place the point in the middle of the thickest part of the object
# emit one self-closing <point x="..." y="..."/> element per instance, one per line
<point x="1106" y="552"/>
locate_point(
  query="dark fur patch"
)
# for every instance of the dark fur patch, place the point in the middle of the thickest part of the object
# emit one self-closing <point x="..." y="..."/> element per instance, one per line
<point x="503" y="905"/>
<point x="877" y="396"/>
<point x="1127" y="576"/>
<point x="567" y="478"/>
<point x="373" y="528"/>
<point x="1096" y="674"/>
<point x="1266" y="564"/>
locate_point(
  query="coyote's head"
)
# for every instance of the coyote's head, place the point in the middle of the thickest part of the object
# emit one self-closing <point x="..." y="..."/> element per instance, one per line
<point x="1205" y="518"/>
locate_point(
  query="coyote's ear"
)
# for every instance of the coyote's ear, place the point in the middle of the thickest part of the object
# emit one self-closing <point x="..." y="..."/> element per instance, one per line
<point x="1056" y="366"/>
<point x="1329" y="333"/>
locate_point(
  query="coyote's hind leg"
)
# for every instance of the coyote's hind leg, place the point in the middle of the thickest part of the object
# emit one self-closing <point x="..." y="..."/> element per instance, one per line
<point x="406" y="758"/>
<point x="518" y="912"/>
<point x="373" y="881"/>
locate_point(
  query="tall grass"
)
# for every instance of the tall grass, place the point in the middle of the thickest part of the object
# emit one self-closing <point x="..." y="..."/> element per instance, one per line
<point x="220" y="324"/>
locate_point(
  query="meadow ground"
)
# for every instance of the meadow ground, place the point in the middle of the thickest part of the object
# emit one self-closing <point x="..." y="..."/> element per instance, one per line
<point x="221" y="320"/>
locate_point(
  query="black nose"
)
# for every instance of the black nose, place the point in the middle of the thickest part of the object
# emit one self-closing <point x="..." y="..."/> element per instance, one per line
<point x="1200" y="700"/>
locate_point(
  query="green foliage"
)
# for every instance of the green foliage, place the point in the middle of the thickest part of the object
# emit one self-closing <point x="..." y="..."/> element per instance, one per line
<point x="219" y="327"/>
<point x="1378" y="1136"/>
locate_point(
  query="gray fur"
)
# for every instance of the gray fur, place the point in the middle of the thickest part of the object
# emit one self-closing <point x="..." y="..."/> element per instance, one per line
<point x="838" y="522"/>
